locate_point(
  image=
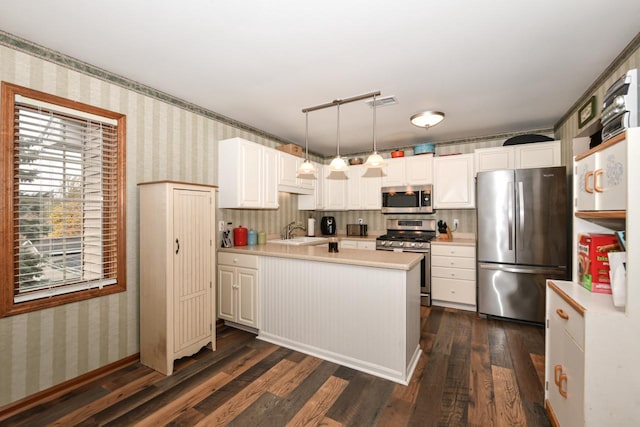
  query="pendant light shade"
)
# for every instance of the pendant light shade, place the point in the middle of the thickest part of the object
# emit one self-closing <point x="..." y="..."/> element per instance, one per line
<point x="375" y="160"/>
<point x="338" y="164"/>
<point x="306" y="168"/>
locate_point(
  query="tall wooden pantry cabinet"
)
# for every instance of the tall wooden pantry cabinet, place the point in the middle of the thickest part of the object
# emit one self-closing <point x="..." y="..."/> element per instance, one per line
<point x="177" y="271"/>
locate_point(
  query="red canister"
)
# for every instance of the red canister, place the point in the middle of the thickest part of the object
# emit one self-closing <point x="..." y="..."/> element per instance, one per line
<point x="240" y="236"/>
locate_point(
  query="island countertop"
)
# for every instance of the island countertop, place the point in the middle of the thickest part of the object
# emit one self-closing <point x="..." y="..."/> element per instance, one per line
<point x="320" y="253"/>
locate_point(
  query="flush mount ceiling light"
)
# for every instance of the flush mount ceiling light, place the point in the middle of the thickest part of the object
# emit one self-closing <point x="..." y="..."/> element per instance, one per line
<point x="375" y="160"/>
<point x="427" y="119"/>
<point x="338" y="164"/>
<point x="306" y="168"/>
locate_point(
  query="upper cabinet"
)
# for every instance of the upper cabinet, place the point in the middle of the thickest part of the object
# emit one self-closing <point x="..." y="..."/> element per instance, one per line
<point x="363" y="188"/>
<point x="412" y="170"/>
<point x="335" y="191"/>
<point x="288" y="178"/>
<point x="453" y="182"/>
<point x="601" y="177"/>
<point x="247" y="175"/>
<point x="315" y="200"/>
<point x="522" y="156"/>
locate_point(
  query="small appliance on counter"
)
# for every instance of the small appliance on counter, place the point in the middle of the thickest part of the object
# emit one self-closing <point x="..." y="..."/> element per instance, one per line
<point x="328" y="225"/>
<point x="356" y="229"/>
<point x="226" y="237"/>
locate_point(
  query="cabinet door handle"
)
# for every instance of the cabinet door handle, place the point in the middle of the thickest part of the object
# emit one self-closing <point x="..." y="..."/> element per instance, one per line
<point x="557" y="371"/>
<point x="563" y="380"/>
<point x="595" y="180"/>
<point x="586" y="182"/>
<point x="178" y="246"/>
<point x="560" y="312"/>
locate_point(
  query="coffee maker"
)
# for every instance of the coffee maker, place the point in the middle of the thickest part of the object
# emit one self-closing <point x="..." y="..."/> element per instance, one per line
<point x="328" y="225"/>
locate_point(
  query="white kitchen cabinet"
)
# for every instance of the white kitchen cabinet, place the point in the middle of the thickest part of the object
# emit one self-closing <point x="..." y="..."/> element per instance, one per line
<point x="288" y="179"/>
<point x="601" y="177"/>
<point x="453" y="182"/>
<point x="419" y="169"/>
<point x="522" y="156"/>
<point x="565" y="363"/>
<point x="363" y="188"/>
<point x="335" y="191"/>
<point x="453" y="275"/>
<point x="238" y="288"/>
<point x="494" y="158"/>
<point x="369" y="245"/>
<point x="247" y="175"/>
<point x="538" y="155"/>
<point x="315" y="200"/>
<point x="591" y="375"/>
<point x="177" y="271"/>
<point x="411" y="170"/>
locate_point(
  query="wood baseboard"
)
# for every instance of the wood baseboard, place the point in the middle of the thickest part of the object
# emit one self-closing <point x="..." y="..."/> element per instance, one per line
<point x="59" y="389"/>
<point x="551" y="414"/>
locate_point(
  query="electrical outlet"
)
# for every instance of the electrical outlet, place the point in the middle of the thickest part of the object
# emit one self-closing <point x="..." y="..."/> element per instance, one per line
<point x="456" y="223"/>
<point x="220" y="225"/>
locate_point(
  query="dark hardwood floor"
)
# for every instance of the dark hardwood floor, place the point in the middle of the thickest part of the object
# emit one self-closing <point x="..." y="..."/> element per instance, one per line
<point x="476" y="372"/>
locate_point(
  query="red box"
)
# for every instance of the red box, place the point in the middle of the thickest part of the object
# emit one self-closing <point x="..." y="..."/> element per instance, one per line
<point x="593" y="261"/>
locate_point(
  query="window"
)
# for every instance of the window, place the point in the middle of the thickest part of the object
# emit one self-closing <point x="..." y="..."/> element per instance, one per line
<point x="62" y="198"/>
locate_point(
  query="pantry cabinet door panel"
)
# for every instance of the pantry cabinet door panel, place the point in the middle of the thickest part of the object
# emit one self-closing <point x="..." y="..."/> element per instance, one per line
<point x="611" y="178"/>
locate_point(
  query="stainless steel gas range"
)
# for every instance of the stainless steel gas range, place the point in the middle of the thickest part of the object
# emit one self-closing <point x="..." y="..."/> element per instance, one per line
<point x="412" y="235"/>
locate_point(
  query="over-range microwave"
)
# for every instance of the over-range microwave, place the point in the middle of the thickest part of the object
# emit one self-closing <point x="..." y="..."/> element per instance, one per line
<point x="407" y="199"/>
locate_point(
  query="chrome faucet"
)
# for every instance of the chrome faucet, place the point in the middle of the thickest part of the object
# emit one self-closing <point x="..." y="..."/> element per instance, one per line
<point x="288" y="229"/>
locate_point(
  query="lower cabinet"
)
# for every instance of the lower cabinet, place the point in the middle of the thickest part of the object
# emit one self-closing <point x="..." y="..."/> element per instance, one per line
<point x="565" y="364"/>
<point x="238" y="289"/>
<point x="358" y="244"/>
<point x="453" y="276"/>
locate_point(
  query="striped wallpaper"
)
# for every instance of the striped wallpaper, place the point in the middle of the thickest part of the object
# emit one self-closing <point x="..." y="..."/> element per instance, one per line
<point x="568" y="128"/>
<point x="166" y="139"/>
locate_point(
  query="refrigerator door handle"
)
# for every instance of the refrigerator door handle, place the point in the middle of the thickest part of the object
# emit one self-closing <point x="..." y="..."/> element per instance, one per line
<point x="510" y="214"/>
<point x="523" y="270"/>
<point x="520" y="212"/>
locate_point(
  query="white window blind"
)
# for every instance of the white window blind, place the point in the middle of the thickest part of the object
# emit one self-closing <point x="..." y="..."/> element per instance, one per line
<point x="65" y="200"/>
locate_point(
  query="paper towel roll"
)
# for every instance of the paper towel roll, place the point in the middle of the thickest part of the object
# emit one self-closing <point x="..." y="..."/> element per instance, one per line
<point x="311" y="227"/>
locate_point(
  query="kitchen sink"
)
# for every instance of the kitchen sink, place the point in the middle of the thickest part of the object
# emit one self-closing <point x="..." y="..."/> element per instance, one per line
<point x="301" y="241"/>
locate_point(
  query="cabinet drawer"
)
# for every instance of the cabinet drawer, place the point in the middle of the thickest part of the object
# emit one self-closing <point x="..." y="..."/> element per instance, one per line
<point x="453" y="273"/>
<point x="348" y="244"/>
<point x="238" y="260"/>
<point x="367" y="245"/>
<point x="561" y="313"/>
<point x="447" y="261"/>
<point x="452" y="290"/>
<point x="452" y="250"/>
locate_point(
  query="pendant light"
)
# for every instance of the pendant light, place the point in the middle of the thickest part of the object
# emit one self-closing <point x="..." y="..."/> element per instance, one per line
<point x="306" y="168"/>
<point x="375" y="160"/>
<point x="338" y="164"/>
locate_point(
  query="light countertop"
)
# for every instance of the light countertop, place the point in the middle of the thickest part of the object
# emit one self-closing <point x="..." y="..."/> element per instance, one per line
<point x="320" y="253"/>
<point x="456" y="241"/>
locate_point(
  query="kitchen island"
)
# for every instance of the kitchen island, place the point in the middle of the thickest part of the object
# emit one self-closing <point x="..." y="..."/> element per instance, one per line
<point x="358" y="308"/>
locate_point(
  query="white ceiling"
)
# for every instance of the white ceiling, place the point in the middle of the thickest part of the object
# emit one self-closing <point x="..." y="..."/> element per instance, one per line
<point x="492" y="66"/>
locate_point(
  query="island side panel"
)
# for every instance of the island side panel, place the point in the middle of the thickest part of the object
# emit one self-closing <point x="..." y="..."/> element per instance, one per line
<point x="353" y="315"/>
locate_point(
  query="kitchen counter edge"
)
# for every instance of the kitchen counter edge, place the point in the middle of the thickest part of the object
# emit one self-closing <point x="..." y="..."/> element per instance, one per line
<point x="319" y="253"/>
<point x="459" y="242"/>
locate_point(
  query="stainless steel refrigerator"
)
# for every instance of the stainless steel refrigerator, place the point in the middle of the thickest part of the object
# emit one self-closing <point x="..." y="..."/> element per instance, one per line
<point x="522" y="239"/>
